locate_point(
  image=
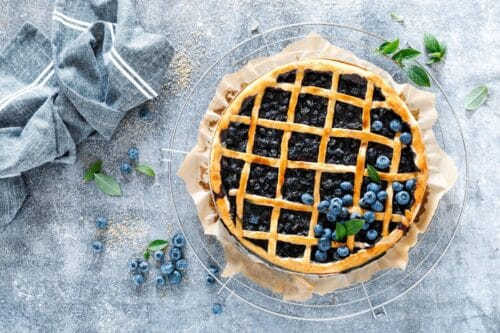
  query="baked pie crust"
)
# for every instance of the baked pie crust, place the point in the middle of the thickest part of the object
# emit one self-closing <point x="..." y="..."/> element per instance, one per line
<point x="301" y="127"/>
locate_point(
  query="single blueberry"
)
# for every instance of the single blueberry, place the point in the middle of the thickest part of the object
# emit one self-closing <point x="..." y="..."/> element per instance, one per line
<point x="410" y="184"/>
<point x="373" y="187"/>
<point x="159" y="255"/>
<point x="97" y="246"/>
<point x="382" y="195"/>
<point x="344" y="213"/>
<point x="382" y="162"/>
<point x="370" y="197"/>
<point x="355" y="216"/>
<point x="365" y="226"/>
<point x="327" y="233"/>
<point x="343" y="251"/>
<point x="181" y="265"/>
<point x="369" y="216"/>
<point x="377" y="206"/>
<point x="216" y="309"/>
<point x="403" y="198"/>
<point x="334" y="236"/>
<point x="126" y="167"/>
<point x="323" y="206"/>
<point x="213" y="269"/>
<point x="324" y="243"/>
<point x="397" y="186"/>
<point x="133" y="153"/>
<point x="138" y="279"/>
<point x="318" y="229"/>
<point x="175" y="253"/>
<point x="336" y="201"/>
<point x="210" y="279"/>
<point x="167" y="268"/>
<point x="101" y="222"/>
<point x="377" y="125"/>
<point x="395" y="125"/>
<point x="331" y="216"/>
<point x="178" y="240"/>
<point x="320" y="256"/>
<point x="347" y="200"/>
<point x="143" y="266"/>
<point x="160" y="281"/>
<point x="405" y="138"/>
<point x="253" y="219"/>
<point x="363" y="203"/>
<point x="346" y="186"/>
<point x="133" y="264"/>
<point x="307" y="199"/>
<point x="175" y="277"/>
<point x="371" y="234"/>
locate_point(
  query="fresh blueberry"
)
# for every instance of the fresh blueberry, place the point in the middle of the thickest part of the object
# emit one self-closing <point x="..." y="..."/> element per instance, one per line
<point x="181" y="265"/>
<point x="178" y="240"/>
<point x="365" y="226"/>
<point x="167" y="268"/>
<point x="410" y="184"/>
<point x="403" y="198"/>
<point x="344" y="213"/>
<point x="253" y="219"/>
<point x="323" y="206"/>
<point x="373" y="187"/>
<point x="397" y="186"/>
<point x="331" y="216"/>
<point x="347" y="200"/>
<point x="307" y="199"/>
<point x="371" y="234"/>
<point x="159" y="255"/>
<point x="370" y="197"/>
<point x="343" y="251"/>
<point x="363" y="203"/>
<point x="377" y="125"/>
<point x="97" y="246"/>
<point x="138" y="279"/>
<point x="324" y="243"/>
<point x="175" y="277"/>
<point x="213" y="269"/>
<point x="210" y="279"/>
<point x="160" y="281"/>
<point x="101" y="222"/>
<point x="216" y="309"/>
<point x="126" y="167"/>
<point x="355" y="216"/>
<point x="318" y="229"/>
<point x="133" y="264"/>
<point x="346" y="186"/>
<point x="334" y="236"/>
<point x="175" y="253"/>
<point x="133" y="153"/>
<point x="381" y="196"/>
<point x="395" y="125"/>
<point x="405" y="138"/>
<point x="320" y="256"/>
<point x="327" y="233"/>
<point x="143" y="266"/>
<point x="382" y="162"/>
<point x="377" y="206"/>
<point x="369" y="216"/>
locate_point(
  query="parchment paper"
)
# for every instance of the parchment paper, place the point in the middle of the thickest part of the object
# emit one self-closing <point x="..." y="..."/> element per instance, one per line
<point x="296" y="286"/>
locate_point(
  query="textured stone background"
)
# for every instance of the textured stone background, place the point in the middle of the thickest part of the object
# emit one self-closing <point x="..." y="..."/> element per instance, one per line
<point x="50" y="281"/>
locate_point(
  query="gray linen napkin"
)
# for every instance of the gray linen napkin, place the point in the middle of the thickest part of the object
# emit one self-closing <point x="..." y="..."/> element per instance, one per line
<point x="55" y="92"/>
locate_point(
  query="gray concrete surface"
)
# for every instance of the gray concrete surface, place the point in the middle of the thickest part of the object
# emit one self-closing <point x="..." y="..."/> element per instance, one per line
<point x="50" y="280"/>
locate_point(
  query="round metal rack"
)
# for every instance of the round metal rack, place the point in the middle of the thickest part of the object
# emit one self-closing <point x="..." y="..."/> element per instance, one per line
<point x="385" y="286"/>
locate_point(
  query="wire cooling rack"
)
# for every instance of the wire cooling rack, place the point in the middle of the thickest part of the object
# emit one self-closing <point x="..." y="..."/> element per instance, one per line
<point x="385" y="286"/>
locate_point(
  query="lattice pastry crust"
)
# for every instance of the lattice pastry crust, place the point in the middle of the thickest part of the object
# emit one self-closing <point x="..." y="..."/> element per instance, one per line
<point x="332" y="93"/>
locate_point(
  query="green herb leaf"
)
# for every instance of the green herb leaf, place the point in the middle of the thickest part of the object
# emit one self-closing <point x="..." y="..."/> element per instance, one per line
<point x="396" y="17"/>
<point x="145" y="169"/>
<point x="373" y="173"/>
<point x="419" y="76"/>
<point x="405" y="54"/>
<point x="475" y="98"/>
<point x="434" y="48"/>
<point x="157" y="244"/>
<point x="147" y="255"/>
<point x="93" y="169"/>
<point x="354" y="226"/>
<point x="340" y="232"/>
<point x="388" y="47"/>
<point x="107" y="184"/>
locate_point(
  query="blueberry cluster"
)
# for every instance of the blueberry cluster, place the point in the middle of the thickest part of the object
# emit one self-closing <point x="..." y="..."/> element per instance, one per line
<point x="101" y="223"/>
<point x="256" y="217"/>
<point x="311" y="110"/>
<point x="288" y="77"/>
<point x="403" y="195"/>
<point x="263" y="180"/>
<point x="379" y="156"/>
<point x="317" y="79"/>
<point x="231" y="172"/>
<point x="352" y="84"/>
<point x="330" y="185"/>
<point x="267" y="142"/>
<point x="294" y="222"/>
<point x="303" y="147"/>
<point x="342" y="151"/>
<point x="296" y="183"/>
<point x="247" y="106"/>
<point x="133" y="155"/>
<point x="274" y="104"/>
<point x="235" y="137"/>
<point x="347" y="116"/>
<point x="374" y="196"/>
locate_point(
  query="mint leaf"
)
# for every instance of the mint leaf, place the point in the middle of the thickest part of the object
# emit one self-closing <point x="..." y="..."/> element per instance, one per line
<point x="157" y="244"/>
<point x="435" y="50"/>
<point x="145" y="169"/>
<point x="405" y="55"/>
<point x="107" y="184"/>
<point x="419" y="76"/>
<point x="354" y="226"/>
<point x="146" y="255"/>
<point x="340" y="232"/>
<point x="388" y="47"/>
<point x="475" y="98"/>
<point x="373" y="174"/>
<point x="93" y="169"/>
<point x="396" y="17"/>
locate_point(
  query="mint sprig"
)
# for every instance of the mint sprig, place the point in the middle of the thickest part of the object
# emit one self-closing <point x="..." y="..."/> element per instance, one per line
<point x="396" y="17"/>
<point x="145" y="169"/>
<point x="157" y="244"/>
<point x="93" y="169"/>
<point x="348" y="228"/>
<point x="475" y="98"/>
<point x="107" y="184"/>
<point x="388" y="47"/>
<point x="435" y="50"/>
<point x="373" y="173"/>
<point x="404" y="55"/>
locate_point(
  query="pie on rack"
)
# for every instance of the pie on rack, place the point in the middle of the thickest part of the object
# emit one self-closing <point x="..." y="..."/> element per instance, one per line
<point x="318" y="167"/>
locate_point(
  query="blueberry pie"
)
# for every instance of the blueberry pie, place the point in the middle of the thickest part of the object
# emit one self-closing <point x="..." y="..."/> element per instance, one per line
<point x="318" y="167"/>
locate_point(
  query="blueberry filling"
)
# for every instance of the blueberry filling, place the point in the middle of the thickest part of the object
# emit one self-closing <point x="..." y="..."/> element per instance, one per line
<point x="393" y="226"/>
<point x="342" y="151"/>
<point x="294" y="222"/>
<point x="378" y="95"/>
<point x="262" y="243"/>
<point x="288" y="77"/>
<point x="361" y="236"/>
<point x="374" y="151"/>
<point x="311" y="110"/>
<point x="247" y="106"/>
<point x="255" y="217"/>
<point x="352" y="84"/>
<point x="297" y="182"/>
<point x="235" y="137"/>
<point x="347" y="116"/>
<point x="366" y="187"/>
<point x="262" y="180"/>
<point x="330" y="185"/>
<point x="331" y="255"/>
<point x="232" y="208"/>
<point x="397" y="206"/>
<point x="231" y="172"/>
<point x="317" y="79"/>
<point x="287" y="250"/>
<point x="275" y="104"/>
<point x="385" y="116"/>
<point x="267" y="142"/>
<point x="407" y="161"/>
<point x="303" y="147"/>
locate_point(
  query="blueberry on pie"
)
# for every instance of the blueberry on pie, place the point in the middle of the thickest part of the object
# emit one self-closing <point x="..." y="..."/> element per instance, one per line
<point x="292" y="167"/>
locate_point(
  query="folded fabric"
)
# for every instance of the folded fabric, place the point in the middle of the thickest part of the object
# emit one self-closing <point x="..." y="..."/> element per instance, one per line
<point x="55" y="92"/>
